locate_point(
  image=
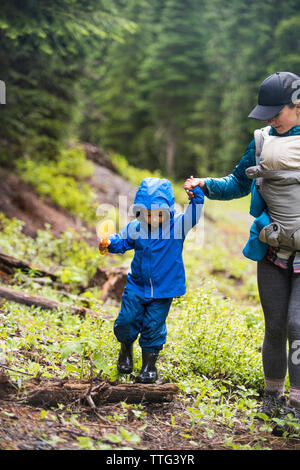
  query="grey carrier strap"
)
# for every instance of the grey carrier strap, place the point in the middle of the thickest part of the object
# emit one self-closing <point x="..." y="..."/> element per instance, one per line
<point x="280" y="191"/>
<point x="259" y="141"/>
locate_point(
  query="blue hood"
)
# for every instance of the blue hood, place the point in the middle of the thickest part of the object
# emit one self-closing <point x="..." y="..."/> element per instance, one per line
<point x="155" y="193"/>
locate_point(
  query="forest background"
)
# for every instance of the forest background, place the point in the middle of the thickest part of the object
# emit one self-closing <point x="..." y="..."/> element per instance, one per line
<point x="163" y="88"/>
<point x="168" y="84"/>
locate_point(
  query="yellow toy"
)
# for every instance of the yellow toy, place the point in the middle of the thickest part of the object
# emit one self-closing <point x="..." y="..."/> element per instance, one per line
<point x="104" y="230"/>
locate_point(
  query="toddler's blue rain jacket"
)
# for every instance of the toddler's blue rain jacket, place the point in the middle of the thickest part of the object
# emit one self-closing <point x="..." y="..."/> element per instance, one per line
<point x="157" y="269"/>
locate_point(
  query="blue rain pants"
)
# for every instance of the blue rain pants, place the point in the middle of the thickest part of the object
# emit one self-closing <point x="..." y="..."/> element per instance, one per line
<point x="144" y="316"/>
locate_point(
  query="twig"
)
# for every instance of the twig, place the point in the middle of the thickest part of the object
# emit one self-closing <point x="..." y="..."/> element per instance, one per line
<point x="14" y="370"/>
<point x="90" y="402"/>
<point x="88" y="396"/>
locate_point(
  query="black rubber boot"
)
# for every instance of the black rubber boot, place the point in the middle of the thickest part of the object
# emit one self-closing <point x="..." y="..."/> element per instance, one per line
<point x="125" y="361"/>
<point x="148" y="373"/>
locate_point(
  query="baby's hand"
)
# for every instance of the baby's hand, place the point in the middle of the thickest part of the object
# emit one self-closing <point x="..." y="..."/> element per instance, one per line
<point x="191" y="183"/>
<point x="103" y="245"/>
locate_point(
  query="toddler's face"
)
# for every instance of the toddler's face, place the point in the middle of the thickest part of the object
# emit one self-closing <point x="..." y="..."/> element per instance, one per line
<point x="156" y="217"/>
<point x="286" y="119"/>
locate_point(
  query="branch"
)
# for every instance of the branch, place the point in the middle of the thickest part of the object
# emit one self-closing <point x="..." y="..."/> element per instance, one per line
<point x="43" y="302"/>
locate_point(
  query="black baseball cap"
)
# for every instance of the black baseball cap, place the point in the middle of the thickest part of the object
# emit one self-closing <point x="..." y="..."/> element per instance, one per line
<point x="274" y="93"/>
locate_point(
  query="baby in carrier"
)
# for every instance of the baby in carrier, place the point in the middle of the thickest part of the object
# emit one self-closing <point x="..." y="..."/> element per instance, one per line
<point x="275" y="194"/>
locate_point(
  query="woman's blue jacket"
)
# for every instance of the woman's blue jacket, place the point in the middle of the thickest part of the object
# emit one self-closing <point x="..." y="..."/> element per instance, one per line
<point x="237" y="185"/>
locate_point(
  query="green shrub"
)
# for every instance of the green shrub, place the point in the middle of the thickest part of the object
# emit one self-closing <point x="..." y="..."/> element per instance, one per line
<point x="69" y="256"/>
<point x="63" y="180"/>
<point x="214" y="337"/>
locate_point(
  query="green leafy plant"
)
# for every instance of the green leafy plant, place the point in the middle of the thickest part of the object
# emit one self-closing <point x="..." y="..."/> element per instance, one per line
<point x="63" y="180"/>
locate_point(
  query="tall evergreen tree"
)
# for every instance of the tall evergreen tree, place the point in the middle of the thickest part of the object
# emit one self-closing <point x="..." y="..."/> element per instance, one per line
<point x="43" y="49"/>
<point x="172" y="76"/>
<point x="111" y="88"/>
<point x="242" y="44"/>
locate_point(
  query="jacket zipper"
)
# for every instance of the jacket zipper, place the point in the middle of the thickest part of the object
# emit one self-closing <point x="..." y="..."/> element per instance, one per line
<point x="151" y="287"/>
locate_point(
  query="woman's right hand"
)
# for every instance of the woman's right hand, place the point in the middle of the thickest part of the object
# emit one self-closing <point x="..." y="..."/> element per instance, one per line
<point x="191" y="183"/>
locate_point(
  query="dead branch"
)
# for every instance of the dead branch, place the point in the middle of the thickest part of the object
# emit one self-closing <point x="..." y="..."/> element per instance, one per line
<point x="43" y="302"/>
<point x="9" y="264"/>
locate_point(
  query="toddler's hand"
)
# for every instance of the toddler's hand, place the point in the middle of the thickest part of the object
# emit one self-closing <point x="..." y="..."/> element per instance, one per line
<point x="103" y="245"/>
<point x="191" y="183"/>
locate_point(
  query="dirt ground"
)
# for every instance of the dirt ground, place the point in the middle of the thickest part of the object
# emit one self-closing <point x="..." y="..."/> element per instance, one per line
<point x="161" y="426"/>
<point x="23" y="428"/>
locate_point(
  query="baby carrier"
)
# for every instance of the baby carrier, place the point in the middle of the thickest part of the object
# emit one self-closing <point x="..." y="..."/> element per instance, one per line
<point x="277" y="174"/>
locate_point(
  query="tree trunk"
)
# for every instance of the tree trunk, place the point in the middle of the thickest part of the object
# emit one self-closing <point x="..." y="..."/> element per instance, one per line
<point x="171" y="152"/>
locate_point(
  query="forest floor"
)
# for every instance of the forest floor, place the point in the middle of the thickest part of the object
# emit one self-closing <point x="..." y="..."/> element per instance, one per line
<point x="112" y="427"/>
<point x="169" y="425"/>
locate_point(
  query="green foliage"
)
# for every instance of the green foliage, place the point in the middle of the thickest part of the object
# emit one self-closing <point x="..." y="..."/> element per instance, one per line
<point x="212" y="351"/>
<point x="176" y="94"/>
<point x="133" y="174"/>
<point x="69" y="256"/>
<point x="44" y="47"/>
<point x="169" y="84"/>
<point x="86" y="348"/>
<point x="208" y="335"/>
<point x="63" y="180"/>
<point x="212" y="337"/>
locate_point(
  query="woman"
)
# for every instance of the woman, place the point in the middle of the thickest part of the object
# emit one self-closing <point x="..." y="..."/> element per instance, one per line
<point x="277" y="274"/>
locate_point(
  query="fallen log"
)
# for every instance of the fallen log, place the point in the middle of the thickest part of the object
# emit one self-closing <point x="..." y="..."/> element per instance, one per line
<point x="110" y="280"/>
<point x="9" y="264"/>
<point x="43" y="302"/>
<point x="49" y="393"/>
<point x="137" y="393"/>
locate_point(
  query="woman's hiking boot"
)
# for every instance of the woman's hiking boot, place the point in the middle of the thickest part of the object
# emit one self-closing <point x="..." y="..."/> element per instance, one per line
<point x="148" y="373"/>
<point x="289" y="421"/>
<point x="125" y="361"/>
<point x="272" y="404"/>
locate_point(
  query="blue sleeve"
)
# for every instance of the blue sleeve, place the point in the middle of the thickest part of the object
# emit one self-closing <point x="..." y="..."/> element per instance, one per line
<point x="257" y="204"/>
<point x="121" y="242"/>
<point x="254" y="248"/>
<point x="194" y="210"/>
<point x="235" y="185"/>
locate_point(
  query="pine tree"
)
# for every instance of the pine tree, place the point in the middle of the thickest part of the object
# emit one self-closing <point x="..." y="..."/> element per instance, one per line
<point x="114" y="100"/>
<point x="43" y="51"/>
<point x="172" y="76"/>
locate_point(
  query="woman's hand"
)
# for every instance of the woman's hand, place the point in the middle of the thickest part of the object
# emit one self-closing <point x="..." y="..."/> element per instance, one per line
<point x="191" y="183"/>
